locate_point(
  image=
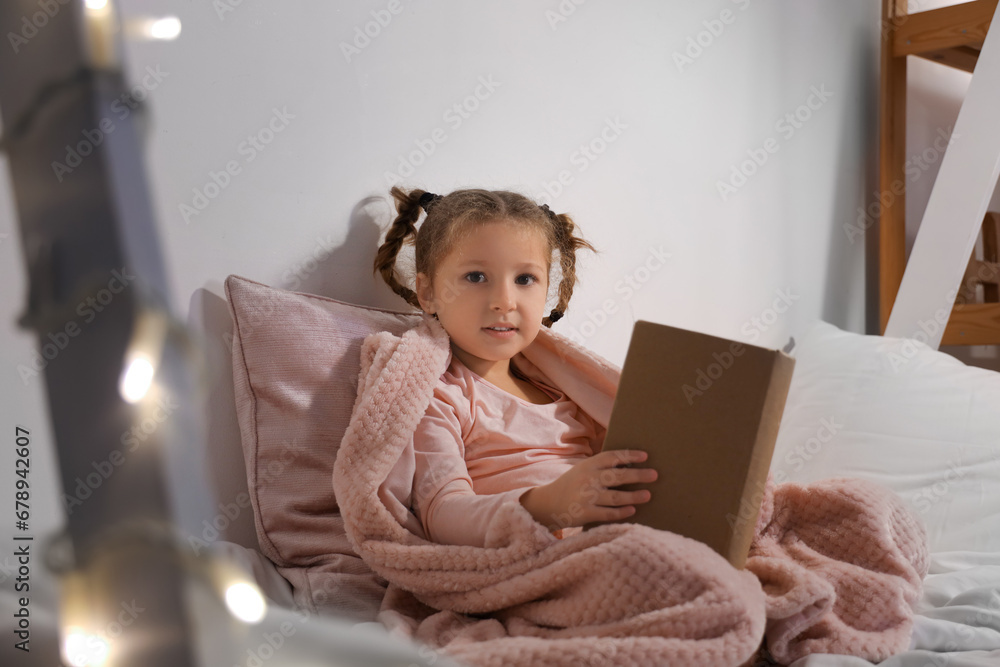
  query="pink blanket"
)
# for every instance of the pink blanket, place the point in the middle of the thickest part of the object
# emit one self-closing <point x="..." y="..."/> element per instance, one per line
<point x="836" y="566"/>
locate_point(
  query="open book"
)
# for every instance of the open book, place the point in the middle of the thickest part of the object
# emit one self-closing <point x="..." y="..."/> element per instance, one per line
<point x="707" y="411"/>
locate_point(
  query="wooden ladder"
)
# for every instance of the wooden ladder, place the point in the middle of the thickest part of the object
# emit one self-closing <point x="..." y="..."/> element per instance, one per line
<point x="984" y="271"/>
<point x="953" y="36"/>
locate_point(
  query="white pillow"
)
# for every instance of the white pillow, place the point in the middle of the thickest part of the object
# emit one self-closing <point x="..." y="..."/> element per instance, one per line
<point x="899" y="413"/>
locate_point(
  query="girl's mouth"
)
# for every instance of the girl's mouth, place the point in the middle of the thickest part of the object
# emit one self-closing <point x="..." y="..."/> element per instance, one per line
<point x="501" y="332"/>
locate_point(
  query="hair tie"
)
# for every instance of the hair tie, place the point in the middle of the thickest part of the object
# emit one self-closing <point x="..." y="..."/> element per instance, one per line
<point x="555" y="315"/>
<point x="426" y="199"/>
<point x="548" y="211"/>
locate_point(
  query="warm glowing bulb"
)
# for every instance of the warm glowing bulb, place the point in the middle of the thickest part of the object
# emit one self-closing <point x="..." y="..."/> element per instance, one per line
<point x="166" y="28"/>
<point x="96" y="4"/>
<point x="245" y="602"/>
<point x="85" y="650"/>
<point x="137" y="379"/>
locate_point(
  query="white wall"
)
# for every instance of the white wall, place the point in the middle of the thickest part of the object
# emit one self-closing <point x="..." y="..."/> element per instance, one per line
<point x="555" y="90"/>
<point x="319" y="189"/>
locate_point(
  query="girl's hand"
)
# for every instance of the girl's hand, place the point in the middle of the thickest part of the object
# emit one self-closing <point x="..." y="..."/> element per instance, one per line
<point x="584" y="495"/>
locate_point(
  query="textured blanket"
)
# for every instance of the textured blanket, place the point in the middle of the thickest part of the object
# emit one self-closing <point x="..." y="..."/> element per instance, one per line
<point x="835" y="566"/>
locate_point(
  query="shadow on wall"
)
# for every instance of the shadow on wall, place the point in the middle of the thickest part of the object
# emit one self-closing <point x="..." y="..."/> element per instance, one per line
<point x="345" y="273"/>
<point x="852" y="256"/>
<point x="209" y="315"/>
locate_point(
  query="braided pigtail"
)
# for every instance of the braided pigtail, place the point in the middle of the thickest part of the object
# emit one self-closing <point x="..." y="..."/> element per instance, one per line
<point x="567" y="243"/>
<point x="408" y="207"/>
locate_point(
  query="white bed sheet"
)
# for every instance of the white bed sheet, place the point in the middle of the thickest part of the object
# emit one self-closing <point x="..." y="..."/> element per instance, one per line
<point x="925" y="425"/>
<point x="957" y="622"/>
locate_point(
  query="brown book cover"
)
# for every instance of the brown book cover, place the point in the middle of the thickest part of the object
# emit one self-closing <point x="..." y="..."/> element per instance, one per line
<point x="707" y="411"/>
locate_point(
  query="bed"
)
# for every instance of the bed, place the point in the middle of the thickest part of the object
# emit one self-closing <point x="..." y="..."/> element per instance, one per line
<point x="892" y="411"/>
<point x="889" y="410"/>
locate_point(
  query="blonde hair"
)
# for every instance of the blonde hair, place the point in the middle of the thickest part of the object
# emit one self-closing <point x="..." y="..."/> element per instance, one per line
<point x="451" y="217"/>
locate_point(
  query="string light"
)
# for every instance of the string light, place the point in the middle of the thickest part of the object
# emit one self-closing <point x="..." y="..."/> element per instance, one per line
<point x="81" y="649"/>
<point x="245" y="602"/>
<point x="165" y="28"/>
<point x="137" y="379"/>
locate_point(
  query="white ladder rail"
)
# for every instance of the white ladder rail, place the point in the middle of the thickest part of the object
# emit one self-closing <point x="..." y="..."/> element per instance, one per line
<point x="954" y="213"/>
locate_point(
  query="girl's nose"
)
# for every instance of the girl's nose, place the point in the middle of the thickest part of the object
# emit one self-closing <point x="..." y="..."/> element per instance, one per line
<point x="503" y="298"/>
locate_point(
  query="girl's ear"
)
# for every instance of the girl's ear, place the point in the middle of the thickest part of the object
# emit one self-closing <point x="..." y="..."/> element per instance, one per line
<point x="425" y="294"/>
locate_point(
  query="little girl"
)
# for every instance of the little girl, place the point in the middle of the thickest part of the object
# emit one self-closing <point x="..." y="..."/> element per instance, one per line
<point x="491" y="434"/>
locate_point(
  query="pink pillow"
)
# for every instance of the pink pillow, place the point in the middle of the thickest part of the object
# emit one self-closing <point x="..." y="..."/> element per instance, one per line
<point x="296" y="359"/>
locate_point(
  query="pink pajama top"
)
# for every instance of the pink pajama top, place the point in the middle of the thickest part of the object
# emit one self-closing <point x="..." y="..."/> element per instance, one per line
<point x="479" y="446"/>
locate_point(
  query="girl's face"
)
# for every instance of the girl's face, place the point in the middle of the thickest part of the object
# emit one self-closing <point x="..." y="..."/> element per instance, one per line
<point x="496" y="277"/>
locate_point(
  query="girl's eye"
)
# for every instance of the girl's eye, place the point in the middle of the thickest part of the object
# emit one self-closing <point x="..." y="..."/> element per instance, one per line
<point x="480" y="277"/>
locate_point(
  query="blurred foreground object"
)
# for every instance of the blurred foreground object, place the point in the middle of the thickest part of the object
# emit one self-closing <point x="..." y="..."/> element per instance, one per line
<point x="119" y="373"/>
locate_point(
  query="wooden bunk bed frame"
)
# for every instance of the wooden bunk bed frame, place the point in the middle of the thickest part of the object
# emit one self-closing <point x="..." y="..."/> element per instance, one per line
<point x="951" y="36"/>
